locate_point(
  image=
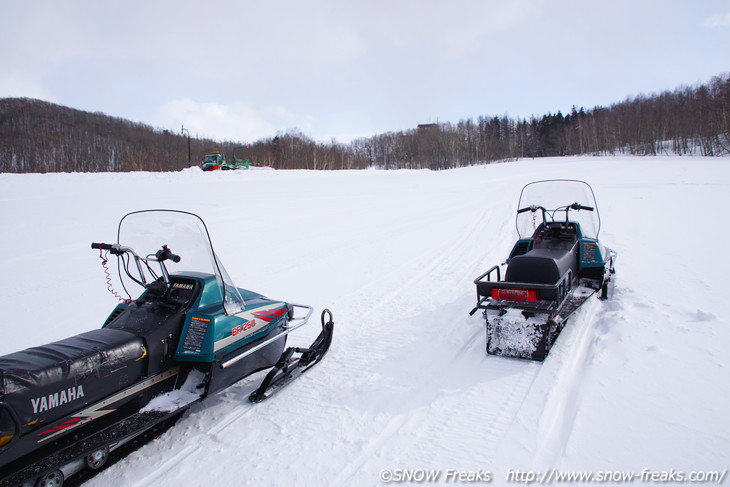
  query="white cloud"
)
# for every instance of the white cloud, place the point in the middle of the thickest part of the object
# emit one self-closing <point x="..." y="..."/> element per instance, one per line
<point x="237" y="121"/>
<point x="16" y="84"/>
<point x="718" y="20"/>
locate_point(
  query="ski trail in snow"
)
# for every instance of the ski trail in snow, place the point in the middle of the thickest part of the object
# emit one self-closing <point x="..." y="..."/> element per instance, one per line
<point x="543" y="425"/>
<point x="411" y="395"/>
<point x="394" y="427"/>
<point x="434" y="270"/>
<point x="556" y="421"/>
<point x="187" y="452"/>
<point x="443" y="418"/>
<point x="349" y="470"/>
<point x="378" y="304"/>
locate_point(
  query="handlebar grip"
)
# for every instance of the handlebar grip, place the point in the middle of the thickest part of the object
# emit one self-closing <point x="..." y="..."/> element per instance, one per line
<point x="165" y="253"/>
<point x="530" y="208"/>
<point x="578" y="206"/>
<point x="102" y="246"/>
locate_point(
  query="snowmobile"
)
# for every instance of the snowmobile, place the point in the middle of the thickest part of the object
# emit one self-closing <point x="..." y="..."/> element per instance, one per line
<point x="66" y="405"/>
<point x="556" y="264"/>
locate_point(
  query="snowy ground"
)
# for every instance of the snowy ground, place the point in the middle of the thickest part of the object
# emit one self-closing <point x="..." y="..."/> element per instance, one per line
<point x="638" y="383"/>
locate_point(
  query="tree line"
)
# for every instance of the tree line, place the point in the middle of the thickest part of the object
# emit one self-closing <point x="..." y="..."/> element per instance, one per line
<point x="690" y="120"/>
<point x="38" y="136"/>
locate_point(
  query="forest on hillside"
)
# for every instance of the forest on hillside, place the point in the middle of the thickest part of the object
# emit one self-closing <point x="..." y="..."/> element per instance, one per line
<point x="38" y="136"/>
<point x="688" y="120"/>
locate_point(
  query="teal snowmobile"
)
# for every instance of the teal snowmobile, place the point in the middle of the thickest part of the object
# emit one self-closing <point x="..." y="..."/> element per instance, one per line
<point x="66" y="405"/>
<point x="555" y="266"/>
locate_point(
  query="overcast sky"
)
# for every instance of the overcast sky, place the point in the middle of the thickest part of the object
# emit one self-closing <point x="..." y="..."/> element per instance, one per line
<point x="244" y="70"/>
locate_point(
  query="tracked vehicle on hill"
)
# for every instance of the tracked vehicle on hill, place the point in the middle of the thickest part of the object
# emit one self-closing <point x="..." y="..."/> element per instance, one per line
<point x="216" y="161"/>
<point x="556" y="264"/>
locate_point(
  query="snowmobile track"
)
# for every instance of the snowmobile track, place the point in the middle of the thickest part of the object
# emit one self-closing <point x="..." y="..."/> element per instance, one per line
<point x="454" y="412"/>
<point x="550" y="405"/>
<point x="188" y="451"/>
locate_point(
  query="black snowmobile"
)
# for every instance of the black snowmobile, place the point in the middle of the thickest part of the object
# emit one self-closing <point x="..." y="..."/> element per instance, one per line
<point x="555" y="266"/>
<point x="64" y="406"/>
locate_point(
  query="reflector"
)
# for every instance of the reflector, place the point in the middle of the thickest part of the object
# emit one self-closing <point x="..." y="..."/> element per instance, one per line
<point x="512" y="294"/>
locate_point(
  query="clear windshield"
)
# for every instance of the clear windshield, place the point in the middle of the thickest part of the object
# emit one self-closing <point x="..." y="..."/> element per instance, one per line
<point x="555" y="195"/>
<point x="186" y="235"/>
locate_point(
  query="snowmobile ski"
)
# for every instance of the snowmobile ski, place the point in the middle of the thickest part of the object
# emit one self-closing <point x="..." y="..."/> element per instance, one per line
<point x="289" y="366"/>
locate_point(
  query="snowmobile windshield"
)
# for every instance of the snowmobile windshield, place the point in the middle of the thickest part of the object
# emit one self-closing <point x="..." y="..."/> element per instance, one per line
<point x="186" y="236"/>
<point x="556" y="196"/>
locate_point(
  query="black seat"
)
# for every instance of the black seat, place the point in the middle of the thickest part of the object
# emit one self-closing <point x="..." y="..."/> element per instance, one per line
<point x="539" y="266"/>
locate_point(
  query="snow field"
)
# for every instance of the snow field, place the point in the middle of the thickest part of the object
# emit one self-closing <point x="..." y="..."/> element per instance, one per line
<point x="638" y="381"/>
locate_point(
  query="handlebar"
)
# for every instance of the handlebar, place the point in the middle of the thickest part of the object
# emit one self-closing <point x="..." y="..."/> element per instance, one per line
<point x="162" y="255"/>
<point x="141" y="262"/>
<point x="115" y="249"/>
<point x="531" y="208"/>
<point x="574" y="206"/>
<point x="578" y="206"/>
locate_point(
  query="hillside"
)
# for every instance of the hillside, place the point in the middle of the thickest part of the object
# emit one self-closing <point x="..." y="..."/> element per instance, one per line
<point x="37" y="136"/>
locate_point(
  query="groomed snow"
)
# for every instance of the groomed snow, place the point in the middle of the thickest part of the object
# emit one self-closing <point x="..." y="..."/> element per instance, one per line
<point x="640" y="381"/>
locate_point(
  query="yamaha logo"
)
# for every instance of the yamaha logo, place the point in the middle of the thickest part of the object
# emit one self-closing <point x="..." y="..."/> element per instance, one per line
<point x="56" y="399"/>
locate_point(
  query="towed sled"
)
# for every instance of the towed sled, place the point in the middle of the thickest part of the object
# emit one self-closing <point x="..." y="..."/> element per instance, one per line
<point x="66" y="405"/>
<point x="556" y="265"/>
